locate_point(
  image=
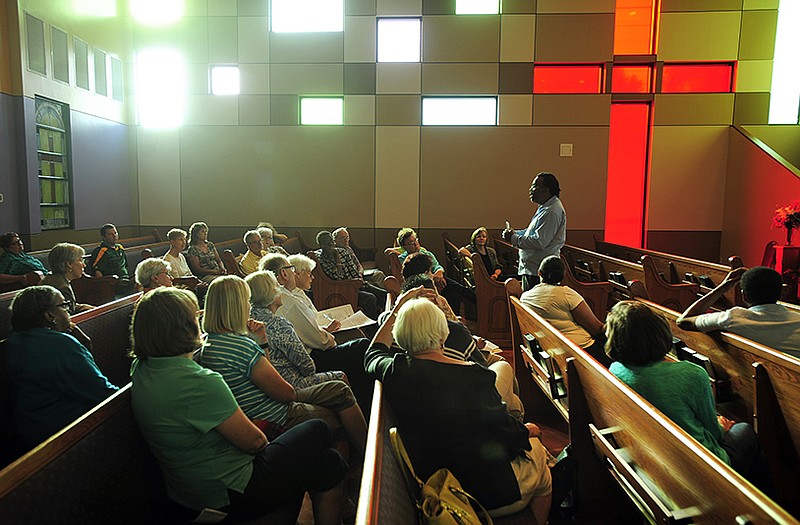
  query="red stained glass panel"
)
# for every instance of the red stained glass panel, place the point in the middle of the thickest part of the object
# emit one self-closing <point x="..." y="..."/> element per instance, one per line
<point x="567" y="78"/>
<point x="628" y="143"/>
<point x="634" y="27"/>
<point x="697" y="78"/>
<point x="631" y="79"/>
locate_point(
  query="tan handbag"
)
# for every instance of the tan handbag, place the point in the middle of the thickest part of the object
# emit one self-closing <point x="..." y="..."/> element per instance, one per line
<point x="440" y="500"/>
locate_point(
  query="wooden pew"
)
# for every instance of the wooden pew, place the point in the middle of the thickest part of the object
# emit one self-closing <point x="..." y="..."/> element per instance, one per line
<point x="766" y="382"/>
<point x="508" y="256"/>
<point x="8" y="283"/>
<point x="329" y="292"/>
<point x="455" y="267"/>
<point x="596" y="294"/>
<point x="99" y="469"/>
<point x="231" y="264"/>
<point x="492" y="306"/>
<point x="668" y="475"/>
<point x="395" y="266"/>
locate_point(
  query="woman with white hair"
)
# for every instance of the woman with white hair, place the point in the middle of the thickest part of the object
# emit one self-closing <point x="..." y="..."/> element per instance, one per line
<point x="66" y="265"/>
<point x="152" y="273"/>
<point x="450" y="414"/>
<point x="286" y="351"/>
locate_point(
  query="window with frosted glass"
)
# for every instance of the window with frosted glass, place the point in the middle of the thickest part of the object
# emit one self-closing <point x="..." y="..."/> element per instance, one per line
<point x="399" y="39"/>
<point x="459" y="111"/>
<point x="225" y="80"/>
<point x="306" y="16"/>
<point x="52" y="148"/>
<point x="322" y="111"/>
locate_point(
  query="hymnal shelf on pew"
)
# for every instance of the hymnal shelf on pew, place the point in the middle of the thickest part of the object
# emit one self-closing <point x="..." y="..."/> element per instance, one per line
<point x="345" y="315"/>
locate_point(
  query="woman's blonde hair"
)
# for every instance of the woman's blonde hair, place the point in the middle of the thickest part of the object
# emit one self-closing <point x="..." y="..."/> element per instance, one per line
<point x="165" y="323"/>
<point x="63" y="254"/>
<point x="420" y="326"/>
<point x="263" y="288"/>
<point x="475" y="234"/>
<point x="227" y="306"/>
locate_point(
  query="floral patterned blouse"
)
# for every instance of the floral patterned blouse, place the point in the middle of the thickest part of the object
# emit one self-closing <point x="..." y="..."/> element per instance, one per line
<point x="207" y="260"/>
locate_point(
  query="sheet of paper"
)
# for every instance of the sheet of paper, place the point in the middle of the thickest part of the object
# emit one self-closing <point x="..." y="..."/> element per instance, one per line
<point x="344" y="314"/>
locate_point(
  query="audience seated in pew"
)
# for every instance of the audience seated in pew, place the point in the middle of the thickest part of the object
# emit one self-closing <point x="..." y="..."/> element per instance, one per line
<point x="13" y="259"/>
<point x="109" y="259"/>
<point x="54" y="377"/>
<point x="372" y="275"/>
<point x="638" y="339"/>
<point x="423" y="264"/>
<point x="286" y="351"/>
<point x="212" y="455"/>
<point x="259" y="388"/>
<point x="249" y="261"/>
<point x="454" y="292"/>
<point x="450" y="414"/>
<point x="340" y="265"/>
<point x="178" y="265"/>
<point x="203" y="257"/>
<point x="294" y="276"/>
<point x="152" y="273"/>
<point x="478" y="244"/>
<point x="566" y="310"/>
<point x="268" y="238"/>
<point x="66" y="265"/>
<point x="277" y="238"/>
<point x="764" y="321"/>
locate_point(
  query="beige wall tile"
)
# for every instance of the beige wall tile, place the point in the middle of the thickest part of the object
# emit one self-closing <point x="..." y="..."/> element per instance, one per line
<point x="705" y="5"/>
<point x="523" y="7"/>
<point x="253" y="39"/>
<point x="195" y="7"/>
<point x="398" y="78"/>
<point x="516" y="110"/>
<point x="459" y="78"/>
<point x="688" y="181"/>
<point x="516" y="38"/>
<point x="359" y="110"/>
<point x="223" y="42"/>
<point x="398" y="110"/>
<point x="359" y="7"/>
<point x="473" y="38"/>
<point x="359" y="39"/>
<point x="254" y="79"/>
<point x="306" y="78"/>
<point x="761" y="4"/>
<point x="757" y="40"/>
<point x="397" y="153"/>
<point x="575" y="6"/>
<point x="574" y="38"/>
<point x="753" y="75"/>
<point x="159" y="163"/>
<point x="212" y="110"/>
<point x="699" y="36"/>
<point x="690" y="109"/>
<point x="222" y="8"/>
<point x="198" y="79"/>
<point x="751" y="108"/>
<point x="571" y="110"/>
<point x="253" y="8"/>
<point x="310" y="48"/>
<point x="253" y="110"/>
<point x="193" y="39"/>
<point x="399" y="7"/>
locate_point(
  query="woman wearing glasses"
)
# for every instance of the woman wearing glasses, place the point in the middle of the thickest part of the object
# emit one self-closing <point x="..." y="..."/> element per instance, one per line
<point x="53" y="376"/>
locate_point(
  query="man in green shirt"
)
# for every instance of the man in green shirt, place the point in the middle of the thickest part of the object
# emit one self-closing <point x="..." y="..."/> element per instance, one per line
<point x="109" y="259"/>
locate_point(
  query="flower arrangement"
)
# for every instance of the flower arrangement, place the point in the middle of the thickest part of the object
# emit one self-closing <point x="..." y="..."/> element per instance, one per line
<point x="787" y="217"/>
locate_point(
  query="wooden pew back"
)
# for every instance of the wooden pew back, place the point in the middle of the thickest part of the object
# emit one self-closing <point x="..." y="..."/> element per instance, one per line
<point x="330" y="292"/>
<point x="492" y="305"/>
<point x="681" y="479"/>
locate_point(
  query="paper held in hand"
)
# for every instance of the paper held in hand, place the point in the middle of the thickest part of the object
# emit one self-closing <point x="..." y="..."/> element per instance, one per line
<point x="344" y="314"/>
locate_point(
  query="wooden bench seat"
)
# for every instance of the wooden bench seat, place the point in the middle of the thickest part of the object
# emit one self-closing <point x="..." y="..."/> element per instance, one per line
<point x="329" y="293"/>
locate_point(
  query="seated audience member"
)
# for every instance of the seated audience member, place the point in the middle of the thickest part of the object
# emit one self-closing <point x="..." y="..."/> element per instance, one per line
<point x="566" y="310"/>
<point x="339" y="265"/>
<point x="374" y="276"/>
<point x="422" y="264"/>
<point x="109" y="259"/>
<point x="268" y="241"/>
<point x="258" y="387"/>
<point x="450" y="414"/>
<point x="211" y="454"/>
<point x="451" y="290"/>
<point x="638" y="339"/>
<point x="15" y="263"/>
<point x="66" y="264"/>
<point x="202" y="255"/>
<point x="249" y="262"/>
<point x="286" y="351"/>
<point x="299" y="310"/>
<point x="478" y="244"/>
<point x="178" y="265"/>
<point x="463" y="346"/>
<point x="54" y="378"/>
<point x="152" y="273"/>
<point x="764" y="321"/>
<point x="278" y="238"/>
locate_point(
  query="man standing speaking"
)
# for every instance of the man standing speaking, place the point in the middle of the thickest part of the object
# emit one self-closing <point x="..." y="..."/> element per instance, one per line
<point x="546" y="233"/>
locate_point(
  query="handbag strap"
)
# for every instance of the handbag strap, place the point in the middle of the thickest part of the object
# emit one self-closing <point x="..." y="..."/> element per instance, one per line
<point x="402" y="456"/>
<point x="476" y="504"/>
